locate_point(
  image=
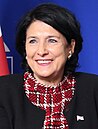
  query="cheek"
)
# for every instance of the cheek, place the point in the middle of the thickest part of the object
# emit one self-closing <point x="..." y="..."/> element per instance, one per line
<point x="29" y="51"/>
<point x="61" y="52"/>
<point x="61" y="56"/>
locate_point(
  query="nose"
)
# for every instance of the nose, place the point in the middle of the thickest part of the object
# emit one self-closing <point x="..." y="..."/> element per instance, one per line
<point x="42" y="49"/>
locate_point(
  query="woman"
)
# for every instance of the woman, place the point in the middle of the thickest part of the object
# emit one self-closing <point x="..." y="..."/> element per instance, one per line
<point x="49" y="94"/>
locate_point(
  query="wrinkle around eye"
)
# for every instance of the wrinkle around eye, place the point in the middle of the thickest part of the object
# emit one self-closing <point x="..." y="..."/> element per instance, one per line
<point x="33" y="41"/>
<point x="52" y="41"/>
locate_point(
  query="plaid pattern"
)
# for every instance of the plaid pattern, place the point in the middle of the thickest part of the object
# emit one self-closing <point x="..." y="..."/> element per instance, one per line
<point x="51" y="99"/>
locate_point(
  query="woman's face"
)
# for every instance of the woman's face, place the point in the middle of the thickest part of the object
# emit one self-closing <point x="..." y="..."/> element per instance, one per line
<point x="46" y="52"/>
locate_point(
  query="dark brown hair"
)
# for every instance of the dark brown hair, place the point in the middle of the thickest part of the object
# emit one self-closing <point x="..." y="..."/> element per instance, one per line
<point x="60" y="19"/>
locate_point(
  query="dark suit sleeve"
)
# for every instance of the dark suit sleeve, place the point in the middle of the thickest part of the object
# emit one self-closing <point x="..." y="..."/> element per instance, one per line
<point x="96" y="95"/>
<point x="4" y="122"/>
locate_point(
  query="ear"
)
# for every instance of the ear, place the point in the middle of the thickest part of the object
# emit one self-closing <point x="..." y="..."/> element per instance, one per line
<point x="72" y="45"/>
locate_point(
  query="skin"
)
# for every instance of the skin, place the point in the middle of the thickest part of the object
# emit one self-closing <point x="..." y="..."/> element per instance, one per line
<point x="46" y="52"/>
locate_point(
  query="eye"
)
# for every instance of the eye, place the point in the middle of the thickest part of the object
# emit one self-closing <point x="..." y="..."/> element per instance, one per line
<point x="52" y="41"/>
<point x="33" y="41"/>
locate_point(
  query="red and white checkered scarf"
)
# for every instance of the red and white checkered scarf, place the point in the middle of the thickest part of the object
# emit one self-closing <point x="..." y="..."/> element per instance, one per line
<point x="51" y="99"/>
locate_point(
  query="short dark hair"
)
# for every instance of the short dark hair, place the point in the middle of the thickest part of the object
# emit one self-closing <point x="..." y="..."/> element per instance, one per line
<point x="61" y="19"/>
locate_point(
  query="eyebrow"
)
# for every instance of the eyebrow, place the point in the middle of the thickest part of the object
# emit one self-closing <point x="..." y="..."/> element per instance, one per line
<point x="31" y="37"/>
<point x="50" y="36"/>
<point x="53" y="36"/>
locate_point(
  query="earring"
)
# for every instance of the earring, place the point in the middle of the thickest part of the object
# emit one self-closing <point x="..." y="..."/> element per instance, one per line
<point x="70" y="54"/>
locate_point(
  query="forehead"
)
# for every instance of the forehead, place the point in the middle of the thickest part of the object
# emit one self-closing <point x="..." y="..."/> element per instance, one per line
<point x="38" y="26"/>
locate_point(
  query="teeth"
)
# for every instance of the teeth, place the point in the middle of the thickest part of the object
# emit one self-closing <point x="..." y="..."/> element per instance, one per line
<point x="43" y="61"/>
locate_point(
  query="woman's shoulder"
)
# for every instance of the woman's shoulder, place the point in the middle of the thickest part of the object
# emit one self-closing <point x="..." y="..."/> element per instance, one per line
<point x="86" y="75"/>
<point x="11" y="76"/>
<point x="86" y="79"/>
<point x="10" y="87"/>
<point x="11" y="79"/>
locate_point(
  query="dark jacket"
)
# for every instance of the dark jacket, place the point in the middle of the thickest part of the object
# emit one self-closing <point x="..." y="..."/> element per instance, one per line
<point x="17" y="112"/>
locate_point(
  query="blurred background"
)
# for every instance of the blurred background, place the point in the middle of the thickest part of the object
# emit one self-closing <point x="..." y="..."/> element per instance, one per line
<point x="86" y="12"/>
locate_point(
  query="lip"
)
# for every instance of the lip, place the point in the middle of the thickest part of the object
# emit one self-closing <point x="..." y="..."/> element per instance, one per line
<point x="44" y="61"/>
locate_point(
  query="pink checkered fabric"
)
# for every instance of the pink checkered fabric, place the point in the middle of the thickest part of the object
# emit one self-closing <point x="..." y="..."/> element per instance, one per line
<point x="51" y="99"/>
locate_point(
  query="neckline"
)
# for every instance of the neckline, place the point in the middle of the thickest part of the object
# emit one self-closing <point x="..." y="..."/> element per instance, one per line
<point x="30" y="75"/>
<point x="33" y="85"/>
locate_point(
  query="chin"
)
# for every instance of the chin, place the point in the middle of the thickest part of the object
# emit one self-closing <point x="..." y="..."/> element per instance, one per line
<point x="44" y="75"/>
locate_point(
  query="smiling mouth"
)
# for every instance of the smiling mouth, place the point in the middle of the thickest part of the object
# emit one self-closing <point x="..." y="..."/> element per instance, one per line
<point x="48" y="61"/>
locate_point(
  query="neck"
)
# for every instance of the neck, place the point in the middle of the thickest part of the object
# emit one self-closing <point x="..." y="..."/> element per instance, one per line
<point x="50" y="81"/>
